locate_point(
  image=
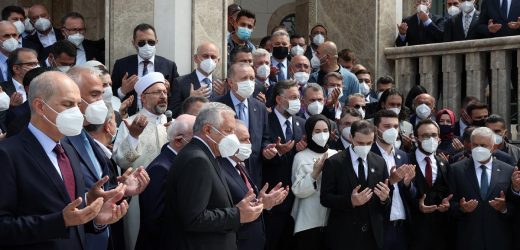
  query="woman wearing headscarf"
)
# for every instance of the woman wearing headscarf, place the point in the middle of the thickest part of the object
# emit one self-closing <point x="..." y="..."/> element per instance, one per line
<point x="450" y="144"/>
<point x="309" y="215"/>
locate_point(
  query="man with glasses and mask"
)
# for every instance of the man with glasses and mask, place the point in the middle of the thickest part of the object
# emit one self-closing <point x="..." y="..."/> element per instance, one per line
<point x="62" y="55"/>
<point x="128" y="70"/>
<point x="357" y="101"/>
<point x="73" y="29"/>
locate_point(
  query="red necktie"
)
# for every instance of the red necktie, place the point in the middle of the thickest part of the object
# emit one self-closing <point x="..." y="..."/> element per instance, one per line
<point x="66" y="171"/>
<point x="428" y="171"/>
<point x="243" y="174"/>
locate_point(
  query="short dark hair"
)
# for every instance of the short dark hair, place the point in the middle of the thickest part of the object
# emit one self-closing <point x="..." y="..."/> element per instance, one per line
<point x="63" y="46"/>
<point x="350" y="111"/>
<point x="6" y="12"/>
<point x="186" y="104"/>
<point x="347" y="55"/>
<point x="281" y="86"/>
<point x="423" y="123"/>
<point x="296" y="36"/>
<point x="385" y="80"/>
<point x="363" y="127"/>
<point x="14" y="58"/>
<point x="318" y="25"/>
<point x="33" y="73"/>
<point x="247" y="14"/>
<point x="264" y="41"/>
<point x="359" y="72"/>
<point x="233" y="8"/>
<point x="496" y="118"/>
<point x="467" y="100"/>
<point x="73" y="15"/>
<point x="144" y="27"/>
<point x="384" y="113"/>
<point x="474" y="106"/>
<point x="238" y="49"/>
<point x="466" y="135"/>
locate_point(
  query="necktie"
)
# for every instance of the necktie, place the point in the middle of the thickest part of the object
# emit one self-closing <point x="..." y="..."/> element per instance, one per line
<point x="281" y="75"/>
<point x="208" y="84"/>
<point x="484" y="185"/>
<point x="66" y="171"/>
<point x="242" y="171"/>
<point x="145" y="67"/>
<point x="242" y="113"/>
<point x="288" y="131"/>
<point x="91" y="155"/>
<point x="467" y="22"/>
<point x="362" y="179"/>
<point x="428" y="172"/>
<point x="503" y="8"/>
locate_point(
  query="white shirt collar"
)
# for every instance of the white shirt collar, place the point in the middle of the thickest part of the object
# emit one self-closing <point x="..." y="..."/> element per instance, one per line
<point x="281" y="118"/>
<point x="201" y="77"/>
<point x="470" y="14"/>
<point x="235" y="100"/>
<point x="383" y="151"/>
<point x="3" y="58"/>
<point x="18" y="85"/>
<point x="234" y="163"/>
<point x="346" y="144"/>
<point x="200" y="139"/>
<point x="419" y="156"/>
<point x="40" y="35"/>
<point x="45" y="141"/>
<point x="354" y="156"/>
<point x="173" y="150"/>
<point x="107" y="151"/>
<point x="140" y="59"/>
<point x="275" y="62"/>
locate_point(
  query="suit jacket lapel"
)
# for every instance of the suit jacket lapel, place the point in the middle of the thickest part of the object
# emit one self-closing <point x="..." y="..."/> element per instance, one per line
<point x="195" y="80"/>
<point x="351" y="175"/>
<point x="441" y="167"/>
<point x="371" y="173"/>
<point x="78" y="144"/>
<point x="471" y="175"/>
<point x="297" y="129"/>
<point x="76" y="168"/>
<point x="275" y="127"/>
<point x="496" y="175"/>
<point x="253" y="116"/>
<point x="232" y="172"/>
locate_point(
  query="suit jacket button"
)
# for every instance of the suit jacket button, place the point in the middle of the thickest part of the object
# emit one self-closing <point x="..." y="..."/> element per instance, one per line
<point x="364" y="228"/>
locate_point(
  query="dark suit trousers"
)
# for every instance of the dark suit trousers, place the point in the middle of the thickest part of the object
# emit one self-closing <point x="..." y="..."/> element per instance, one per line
<point x="310" y="239"/>
<point x="279" y="231"/>
<point x="395" y="237"/>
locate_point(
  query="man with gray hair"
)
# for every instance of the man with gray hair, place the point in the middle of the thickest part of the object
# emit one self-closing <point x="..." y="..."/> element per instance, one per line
<point x="358" y="102"/>
<point x="151" y="201"/>
<point x="480" y="185"/>
<point x="262" y="67"/>
<point x="281" y="47"/>
<point x="199" y="210"/>
<point x="333" y="84"/>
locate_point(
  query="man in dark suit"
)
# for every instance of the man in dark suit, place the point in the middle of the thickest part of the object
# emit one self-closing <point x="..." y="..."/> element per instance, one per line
<point x="463" y="26"/>
<point x="431" y="223"/>
<point x="279" y="60"/>
<point x="262" y="67"/>
<point x="199" y="210"/>
<point x="348" y="116"/>
<point x="151" y="201"/>
<point x="45" y="34"/>
<point x="354" y="186"/>
<point x="127" y="70"/>
<point x="420" y="28"/>
<point x="42" y="211"/>
<point x="73" y="29"/>
<point x="499" y="18"/>
<point x="480" y="186"/>
<point x="9" y="36"/>
<point x="61" y="55"/>
<point x="284" y="140"/>
<point x="200" y="82"/>
<point x="250" y="110"/>
<point x="317" y="36"/>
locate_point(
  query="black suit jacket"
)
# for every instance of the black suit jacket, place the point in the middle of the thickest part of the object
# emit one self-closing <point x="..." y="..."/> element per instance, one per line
<point x="258" y="132"/>
<point x="345" y="223"/>
<point x="454" y="28"/>
<point x="490" y="9"/>
<point x="199" y="210"/>
<point x="418" y="34"/>
<point x="486" y="227"/>
<point x="9" y="89"/>
<point x="34" y="195"/>
<point x="95" y="50"/>
<point x="17" y="118"/>
<point x="251" y="235"/>
<point x="151" y="200"/>
<point x="33" y="42"/>
<point x="180" y="90"/>
<point x="129" y="65"/>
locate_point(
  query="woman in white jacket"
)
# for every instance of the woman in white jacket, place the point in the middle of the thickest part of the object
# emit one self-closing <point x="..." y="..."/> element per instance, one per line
<point x="309" y="215"/>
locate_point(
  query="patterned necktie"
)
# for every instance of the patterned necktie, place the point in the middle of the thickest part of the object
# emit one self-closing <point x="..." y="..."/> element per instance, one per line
<point x="66" y="171"/>
<point x="145" y="67"/>
<point x="484" y="185"/>
<point x="208" y="84"/>
<point x="281" y="75"/>
<point x="428" y="172"/>
<point x="288" y="131"/>
<point x="467" y="22"/>
<point x="242" y="171"/>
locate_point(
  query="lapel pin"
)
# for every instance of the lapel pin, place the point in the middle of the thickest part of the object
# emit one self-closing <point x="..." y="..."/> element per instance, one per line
<point x="398" y="157"/>
<point x="297" y="124"/>
<point x="498" y="169"/>
<point x="254" y="109"/>
<point x="372" y="170"/>
<point x="442" y="164"/>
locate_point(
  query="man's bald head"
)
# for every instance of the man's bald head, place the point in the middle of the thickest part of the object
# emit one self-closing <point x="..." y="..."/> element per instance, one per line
<point x="36" y="11"/>
<point x="329" y="48"/>
<point x="181" y="131"/>
<point x="300" y="63"/>
<point x="207" y="46"/>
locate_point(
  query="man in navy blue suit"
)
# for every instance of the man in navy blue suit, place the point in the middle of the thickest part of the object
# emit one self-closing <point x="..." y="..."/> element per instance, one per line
<point x="127" y="70"/>
<point x="151" y="201"/>
<point x="45" y="34"/>
<point x="46" y="208"/>
<point x="252" y="112"/>
<point x="499" y="18"/>
<point x="251" y="236"/>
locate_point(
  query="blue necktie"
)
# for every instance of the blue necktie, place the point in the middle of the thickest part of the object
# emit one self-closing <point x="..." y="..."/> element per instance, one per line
<point x="484" y="185"/>
<point x="145" y="67"/>
<point x="208" y="85"/>
<point x="91" y="155"/>
<point x="503" y="8"/>
<point x="242" y="113"/>
<point x="288" y="131"/>
<point x="281" y="75"/>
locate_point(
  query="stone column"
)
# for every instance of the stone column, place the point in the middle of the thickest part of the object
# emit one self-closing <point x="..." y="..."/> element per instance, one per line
<point x="476" y="75"/>
<point x="452" y="76"/>
<point x="501" y="84"/>
<point x="429" y="71"/>
<point x="405" y="73"/>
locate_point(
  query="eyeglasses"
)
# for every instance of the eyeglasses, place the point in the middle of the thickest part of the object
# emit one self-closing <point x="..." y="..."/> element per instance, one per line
<point x="150" y="42"/>
<point x="75" y="30"/>
<point x="157" y="93"/>
<point x="359" y="106"/>
<point x="30" y="64"/>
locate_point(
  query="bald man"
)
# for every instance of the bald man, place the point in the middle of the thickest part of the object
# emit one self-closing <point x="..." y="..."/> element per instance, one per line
<point x="151" y="201"/>
<point x="200" y="82"/>
<point x="424" y="107"/>
<point x="327" y="53"/>
<point x="45" y="34"/>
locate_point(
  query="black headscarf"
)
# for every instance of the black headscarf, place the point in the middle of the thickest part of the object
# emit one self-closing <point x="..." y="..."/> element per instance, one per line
<point x="309" y="127"/>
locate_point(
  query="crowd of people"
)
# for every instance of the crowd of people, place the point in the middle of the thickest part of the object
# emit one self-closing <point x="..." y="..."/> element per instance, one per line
<point x="299" y="147"/>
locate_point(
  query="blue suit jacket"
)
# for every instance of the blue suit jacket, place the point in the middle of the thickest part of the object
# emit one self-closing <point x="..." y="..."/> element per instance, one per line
<point x="258" y="132"/>
<point x="151" y="200"/>
<point x="34" y="195"/>
<point x="490" y="9"/>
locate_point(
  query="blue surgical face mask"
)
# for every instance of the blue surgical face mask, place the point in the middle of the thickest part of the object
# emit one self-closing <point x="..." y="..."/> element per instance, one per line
<point x="244" y="33"/>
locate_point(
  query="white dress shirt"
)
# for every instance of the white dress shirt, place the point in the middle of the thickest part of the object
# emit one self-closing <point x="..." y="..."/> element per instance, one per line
<point x="48" y="146"/>
<point x="275" y="63"/>
<point x="20" y="89"/>
<point x="346" y="144"/>
<point x="201" y="76"/>
<point x="478" y="170"/>
<point x="282" y="120"/>
<point x="397" y="211"/>
<point x="355" y="163"/>
<point x="47" y="40"/>
<point x="81" y="56"/>
<point x="419" y="156"/>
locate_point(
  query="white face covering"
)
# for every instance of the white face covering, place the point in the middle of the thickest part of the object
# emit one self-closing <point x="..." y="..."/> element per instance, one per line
<point x="321" y="138"/>
<point x="107" y="93"/>
<point x="362" y="151"/>
<point x="345" y="133"/>
<point x="315" y="62"/>
<point x="96" y="112"/>
<point x="228" y="145"/>
<point x="20" y="27"/>
<point x="10" y="44"/>
<point x="69" y="122"/>
<point x="480" y="154"/>
<point x="301" y="77"/>
<point x="364" y="88"/>
<point x="146" y="52"/>
<point x="423" y="111"/>
<point x="318" y="39"/>
<point x="395" y="110"/>
<point x="467" y="6"/>
<point x="28" y="25"/>
<point x="244" y="151"/>
<point x="245" y="88"/>
<point x="263" y="71"/>
<point x="207" y="65"/>
<point x="315" y="108"/>
<point x="297" y="50"/>
<point x="390" y="136"/>
<point x="42" y="24"/>
<point x="4" y="101"/>
<point x="453" y="11"/>
<point x="422" y="8"/>
<point x="76" y="39"/>
<point x="430" y="145"/>
<point x="294" y="107"/>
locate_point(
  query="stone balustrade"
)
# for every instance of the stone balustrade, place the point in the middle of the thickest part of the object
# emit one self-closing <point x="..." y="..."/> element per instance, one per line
<point x="483" y="63"/>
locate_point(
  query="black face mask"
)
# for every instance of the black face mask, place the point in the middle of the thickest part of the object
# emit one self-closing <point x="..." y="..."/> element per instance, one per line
<point x="445" y="129"/>
<point x="280" y="52"/>
<point x="479" y="123"/>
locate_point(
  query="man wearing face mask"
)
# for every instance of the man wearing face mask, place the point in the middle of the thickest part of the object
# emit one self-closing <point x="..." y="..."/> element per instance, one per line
<point x="127" y="71"/>
<point x="348" y="116"/>
<point x="262" y="67"/>
<point x="479" y="205"/>
<point x="464" y="120"/>
<point x="464" y="25"/>
<point x="285" y="130"/>
<point x="478" y="113"/>
<point x="279" y="60"/>
<point x="452" y="9"/>
<point x="243" y="27"/>
<point x="317" y="36"/>
<point x="298" y="45"/>
<point x="200" y="82"/>
<point x="16" y="15"/>
<point x="365" y="85"/>
<point x="151" y="201"/>
<point x="382" y="84"/>
<point x="8" y="43"/>
<point x="73" y="29"/>
<point x="424" y="105"/>
<point x="300" y="69"/>
<point x="421" y="27"/>
<point x="357" y="101"/>
<point x="498" y="125"/>
<point x="62" y="55"/>
<point x="347" y="59"/>
<point x="250" y="111"/>
<point x="45" y="34"/>
<point x="333" y="82"/>
<point x="199" y="209"/>
<point x="431" y="222"/>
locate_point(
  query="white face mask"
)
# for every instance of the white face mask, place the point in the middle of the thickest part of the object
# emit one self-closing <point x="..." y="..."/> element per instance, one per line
<point x="315" y="62"/>
<point x="395" y="110"/>
<point x="294" y="106"/>
<point x="498" y="139"/>
<point x="69" y="122"/>
<point x="245" y="88"/>
<point x="422" y="8"/>
<point x="480" y="154"/>
<point x="364" y="88"/>
<point x="330" y="90"/>
<point x="362" y="112"/>
<point x="146" y="52"/>
<point x="96" y="112"/>
<point x="228" y="145"/>
<point x="207" y="65"/>
<point x="4" y="101"/>
<point x="107" y="93"/>
<point x="467" y="6"/>
<point x="263" y="71"/>
<point x="345" y="133"/>
<point x="453" y="11"/>
<point x="20" y="27"/>
<point x="315" y="108"/>
<point x="63" y="69"/>
<point x="76" y="39"/>
<point x="244" y="151"/>
<point x="362" y="151"/>
<point x="397" y="144"/>
<point x="42" y="24"/>
<point x="318" y="39"/>
<point x="430" y="145"/>
<point x="297" y="50"/>
<point x="423" y="111"/>
<point x="390" y="136"/>
<point x="321" y="138"/>
<point x="28" y="25"/>
<point x="10" y="44"/>
<point x="379" y="94"/>
<point x="301" y="77"/>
